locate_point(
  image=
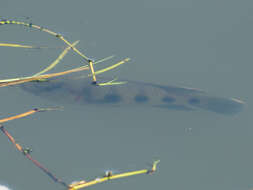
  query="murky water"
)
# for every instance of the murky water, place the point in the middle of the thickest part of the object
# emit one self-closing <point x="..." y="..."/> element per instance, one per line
<point x="197" y="44"/>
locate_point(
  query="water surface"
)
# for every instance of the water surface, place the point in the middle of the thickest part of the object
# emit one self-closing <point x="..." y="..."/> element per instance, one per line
<point x="202" y="44"/>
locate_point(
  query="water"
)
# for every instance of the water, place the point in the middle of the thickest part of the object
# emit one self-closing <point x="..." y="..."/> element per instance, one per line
<point x="199" y="44"/>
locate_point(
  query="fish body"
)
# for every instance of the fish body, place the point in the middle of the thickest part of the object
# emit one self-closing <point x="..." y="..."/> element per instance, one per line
<point x="82" y="91"/>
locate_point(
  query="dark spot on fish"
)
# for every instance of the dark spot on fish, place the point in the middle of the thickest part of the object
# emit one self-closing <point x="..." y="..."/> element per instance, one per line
<point x="87" y="94"/>
<point x="140" y="98"/>
<point x="168" y="99"/>
<point x="112" y="98"/>
<point x="193" y="101"/>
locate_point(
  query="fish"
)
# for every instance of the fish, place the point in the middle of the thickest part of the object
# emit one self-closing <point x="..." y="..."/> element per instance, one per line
<point x="82" y="91"/>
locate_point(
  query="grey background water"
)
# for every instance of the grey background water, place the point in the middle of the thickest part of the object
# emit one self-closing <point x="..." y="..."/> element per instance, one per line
<point x="200" y="44"/>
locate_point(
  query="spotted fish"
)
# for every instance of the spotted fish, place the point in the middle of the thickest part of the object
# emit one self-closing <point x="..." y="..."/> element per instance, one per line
<point x="81" y="91"/>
